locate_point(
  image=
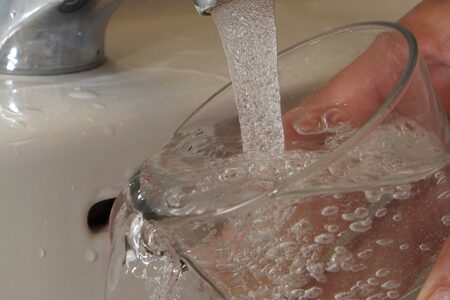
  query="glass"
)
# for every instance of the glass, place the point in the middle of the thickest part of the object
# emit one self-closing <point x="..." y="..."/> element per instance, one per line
<point x="357" y="208"/>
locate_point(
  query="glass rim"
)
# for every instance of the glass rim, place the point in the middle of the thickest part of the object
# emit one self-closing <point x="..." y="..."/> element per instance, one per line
<point x="377" y="117"/>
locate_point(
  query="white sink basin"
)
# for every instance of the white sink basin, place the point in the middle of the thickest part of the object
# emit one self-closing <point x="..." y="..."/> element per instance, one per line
<point x="69" y="141"/>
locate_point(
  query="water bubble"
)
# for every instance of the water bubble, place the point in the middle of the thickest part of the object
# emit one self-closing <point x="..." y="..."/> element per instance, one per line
<point x="378" y="296"/>
<point x="393" y="294"/>
<point x="446" y="220"/>
<point x="41" y="252"/>
<point x="391" y="285"/>
<point x="404" y="247"/>
<point x="373" y="281"/>
<point x="365" y="253"/>
<point x="397" y="217"/>
<point x="361" y="226"/>
<point x="324" y="238"/>
<point x="424" y="247"/>
<point x="313" y="293"/>
<point x="358" y="268"/>
<point x="362" y="212"/>
<point x="332" y="228"/>
<point x="384" y="242"/>
<point x="381" y="212"/>
<point x="79" y="93"/>
<point x="345" y="295"/>
<point x="444" y="195"/>
<point x="90" y="255"/>
<point x="302" y="227"/>
<point x="383" y="272"/>
<point x="401" y="195"/>
<point x="373" y="196"/>
<point x="330" y="210"/>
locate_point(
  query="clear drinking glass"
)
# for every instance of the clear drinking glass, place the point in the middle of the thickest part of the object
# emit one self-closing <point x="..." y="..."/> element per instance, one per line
<point x="357" y="207"/>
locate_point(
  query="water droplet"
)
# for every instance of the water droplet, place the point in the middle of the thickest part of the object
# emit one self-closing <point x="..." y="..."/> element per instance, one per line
<point x="90" y="255"/>
<point x="365" y="253"/>
<point x="330" y="210"/>
<point x="324" y="238"/>
<point x="446" y="220"/>
<point x="378" y="296"/>
<point x="109" y="130"/>
<point x="391" y="285"/>
<point x="79" y="93"/>
<point x="12" y="14"/>
<point x="99" y="105"/>
<point x="381" y="212"/>
<point x="382" y="272"/>
<point x="41" y="252"/>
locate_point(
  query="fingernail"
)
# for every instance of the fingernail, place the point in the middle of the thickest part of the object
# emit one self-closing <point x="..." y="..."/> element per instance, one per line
<point x="440" y="294"/>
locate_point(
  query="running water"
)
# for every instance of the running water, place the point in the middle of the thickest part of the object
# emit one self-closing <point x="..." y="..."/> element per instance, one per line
<point x="248" y="33"/>
<point x="292" y="243"/>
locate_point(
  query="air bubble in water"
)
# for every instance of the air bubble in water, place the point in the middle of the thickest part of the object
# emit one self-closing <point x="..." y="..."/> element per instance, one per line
<point x="373" y="281"/>
<point x="393" y="294"/>
<point x="391" y="285"/>
<point x="446" y="220"/>
<point x="332" y="228"/>
<point x="365" y="253"/>
<point x="330" y="210"/>
<point x="381" y="212"/>
<point x="444" y="195"/>
<point x="361" y="226"/>
<point x="313" y="293"/>
<point x="424" y="247"/>
<point x="382" y="272"/>
<point x="397" y="217"/>
<point x="373" y="196"/>
<point x="404" y="247"/>
<point x="384" y="242"/>
<point x="324" y="238"/>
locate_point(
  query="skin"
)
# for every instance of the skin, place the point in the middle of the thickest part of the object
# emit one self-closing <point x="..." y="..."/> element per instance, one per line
<point x="376" y="71"/>
<point x="429" y="21"/>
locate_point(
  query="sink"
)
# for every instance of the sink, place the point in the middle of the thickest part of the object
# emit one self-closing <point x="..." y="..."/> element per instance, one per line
<point x="68" y="142"/>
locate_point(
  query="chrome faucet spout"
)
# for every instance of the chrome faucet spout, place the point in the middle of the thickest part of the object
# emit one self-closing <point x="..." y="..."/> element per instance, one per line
<point x="204" y="7"/>
<point x="41" y="37"/>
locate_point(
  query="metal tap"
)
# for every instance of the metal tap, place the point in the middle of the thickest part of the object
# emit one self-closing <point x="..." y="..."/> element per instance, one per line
<point x="40" y="37"/>
<point x="204" y="7"/>
<point x="45" y="37"/>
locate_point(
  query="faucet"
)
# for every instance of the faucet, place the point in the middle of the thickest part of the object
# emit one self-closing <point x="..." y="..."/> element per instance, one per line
<point x="47" y="37"/>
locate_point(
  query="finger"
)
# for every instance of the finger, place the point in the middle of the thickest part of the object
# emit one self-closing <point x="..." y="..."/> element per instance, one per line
<point x="437" y="286"/>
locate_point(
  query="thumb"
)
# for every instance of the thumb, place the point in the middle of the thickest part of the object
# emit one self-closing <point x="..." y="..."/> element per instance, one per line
<point x="437" y="286"/>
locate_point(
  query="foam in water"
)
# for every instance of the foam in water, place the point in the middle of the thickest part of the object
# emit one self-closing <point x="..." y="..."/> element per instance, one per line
<point x="248" y="33"/>
<point x="294" y="246"/>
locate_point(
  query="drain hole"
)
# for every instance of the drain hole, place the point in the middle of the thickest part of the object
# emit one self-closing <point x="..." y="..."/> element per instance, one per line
<point x="98" y="216"/>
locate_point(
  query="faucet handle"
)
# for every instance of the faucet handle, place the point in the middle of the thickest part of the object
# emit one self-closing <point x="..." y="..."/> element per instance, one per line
<point x="43" y="37"/>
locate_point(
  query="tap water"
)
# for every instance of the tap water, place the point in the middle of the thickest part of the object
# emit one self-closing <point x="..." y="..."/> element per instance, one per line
<point x="348" y="239"/>
<point x="248" y="33"/>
